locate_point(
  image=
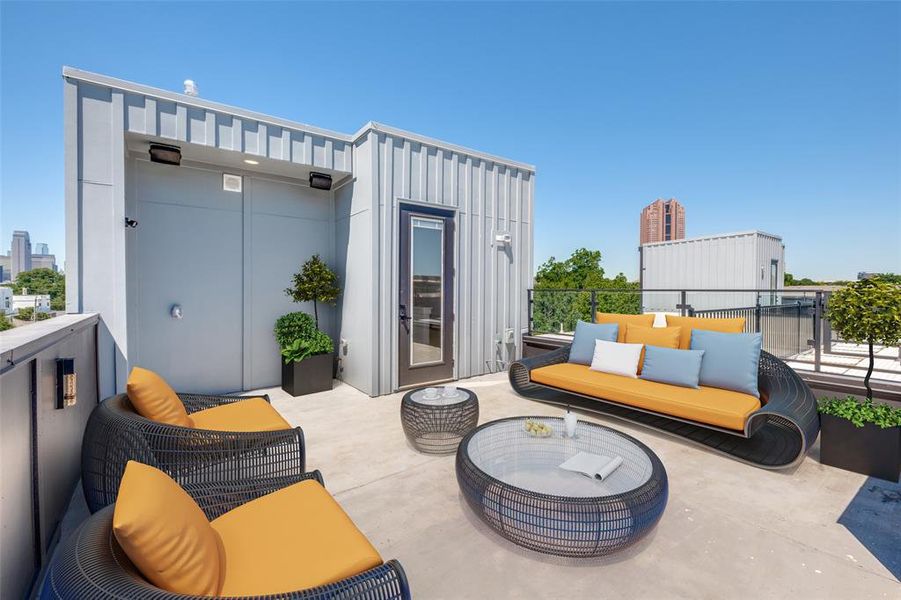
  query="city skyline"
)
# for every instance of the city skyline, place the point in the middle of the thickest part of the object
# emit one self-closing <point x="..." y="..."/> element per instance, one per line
<point x="788" y="138"/>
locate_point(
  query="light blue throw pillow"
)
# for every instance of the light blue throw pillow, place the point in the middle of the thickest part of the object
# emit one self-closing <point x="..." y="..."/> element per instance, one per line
<point x="668" y="365"/>
<point x="582" y="349"/>
<point x="730" y="360"/>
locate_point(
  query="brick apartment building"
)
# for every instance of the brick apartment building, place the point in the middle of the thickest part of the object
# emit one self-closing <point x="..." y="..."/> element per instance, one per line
<point x="662" y="221"/>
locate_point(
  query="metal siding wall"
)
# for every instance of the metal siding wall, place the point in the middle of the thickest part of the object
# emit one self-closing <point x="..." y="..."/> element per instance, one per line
<point x="490" y="282"/>
<point x="196" y="125"/>
<point x="728" y="262"/>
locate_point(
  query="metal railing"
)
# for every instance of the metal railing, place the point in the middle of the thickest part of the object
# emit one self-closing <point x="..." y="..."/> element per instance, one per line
<point x="792" y="322"/>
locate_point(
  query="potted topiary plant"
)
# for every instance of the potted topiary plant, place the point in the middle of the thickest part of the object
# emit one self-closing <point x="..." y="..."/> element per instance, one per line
<point x="861" y="436"/>
<point x="307" y="354"/>
<point x="868" y="312"/>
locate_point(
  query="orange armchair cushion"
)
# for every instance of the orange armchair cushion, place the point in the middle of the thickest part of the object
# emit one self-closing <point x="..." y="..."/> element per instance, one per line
<point x="733" y="325"/>
<point x="253" y="414"/>
<point x="165" y="534"/>
<point x="624" y="321"/>
<point x="152" y="397"/>
<point x="293" y="539"/>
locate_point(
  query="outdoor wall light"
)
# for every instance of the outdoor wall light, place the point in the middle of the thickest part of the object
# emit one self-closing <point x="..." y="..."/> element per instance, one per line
<point x="163" y="154"/>
<point x="250" y="161"/>
<point x="320" y="181"/>
<point x="66" y="383"/>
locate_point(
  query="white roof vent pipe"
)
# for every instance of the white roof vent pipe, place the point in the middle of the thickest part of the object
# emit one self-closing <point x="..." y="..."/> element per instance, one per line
<point x="191" y="88"/>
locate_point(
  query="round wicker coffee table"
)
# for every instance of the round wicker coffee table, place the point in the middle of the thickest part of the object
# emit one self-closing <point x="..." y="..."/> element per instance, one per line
<point x="436" y="425"/>
<point x="513" y="482"/>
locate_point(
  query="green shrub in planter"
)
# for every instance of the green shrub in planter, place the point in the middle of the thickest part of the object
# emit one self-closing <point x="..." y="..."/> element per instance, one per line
<point x="861" y="436"/>
<point x="307" y="353"/>
<point x="861" y="413"/>
<point x="297" y="333"/>
<point x="5" y="323"/>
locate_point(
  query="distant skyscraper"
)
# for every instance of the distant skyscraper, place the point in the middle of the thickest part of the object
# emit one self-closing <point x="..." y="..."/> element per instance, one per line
<point x="41" y="249"/>
<point x="20" y="253"/>
<point x="5" y="266"/>
<point x="662" y="221"/>
<point x="43" y="261"/>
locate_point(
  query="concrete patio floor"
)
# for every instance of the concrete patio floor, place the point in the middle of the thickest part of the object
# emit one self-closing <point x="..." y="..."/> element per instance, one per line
<point x="729" y="530"/>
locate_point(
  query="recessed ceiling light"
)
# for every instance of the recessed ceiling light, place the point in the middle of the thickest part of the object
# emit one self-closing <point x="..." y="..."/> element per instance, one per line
<point x="251" y="161"/>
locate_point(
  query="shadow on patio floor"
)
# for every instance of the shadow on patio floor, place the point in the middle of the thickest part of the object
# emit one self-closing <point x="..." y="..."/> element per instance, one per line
<point x="872" y="517"/>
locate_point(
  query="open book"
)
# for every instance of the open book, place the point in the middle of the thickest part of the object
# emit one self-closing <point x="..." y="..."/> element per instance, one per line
<point x="592" y="465"/>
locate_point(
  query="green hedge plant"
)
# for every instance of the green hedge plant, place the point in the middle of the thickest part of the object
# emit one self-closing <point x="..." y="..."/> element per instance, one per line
<point x="861" y="413"/>
<point x="298" y="338"/>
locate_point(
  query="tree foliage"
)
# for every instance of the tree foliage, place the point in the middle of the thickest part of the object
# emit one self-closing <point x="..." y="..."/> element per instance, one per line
<point x="867" y="312"/>
<point x="41" y="281"/>
<point x="5" y="323"/>
<point x="582" y="272"/>
<point x="315" y="283"/>
<point x="28" y="314"/>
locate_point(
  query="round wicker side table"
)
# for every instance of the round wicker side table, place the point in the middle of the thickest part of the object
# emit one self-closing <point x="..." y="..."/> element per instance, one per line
<point x="436" y="425"/>
<point x="514" y="483"/>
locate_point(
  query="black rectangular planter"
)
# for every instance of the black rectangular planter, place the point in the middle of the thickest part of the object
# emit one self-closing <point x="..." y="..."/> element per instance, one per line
<point x="869" y="450"/>
<point x="313" y="374"/>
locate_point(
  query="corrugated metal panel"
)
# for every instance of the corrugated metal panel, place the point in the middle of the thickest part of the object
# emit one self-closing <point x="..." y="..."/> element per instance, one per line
<point x="731" y="261"/>
<point x="491" y="282"/>
<point x="196" y="125"/>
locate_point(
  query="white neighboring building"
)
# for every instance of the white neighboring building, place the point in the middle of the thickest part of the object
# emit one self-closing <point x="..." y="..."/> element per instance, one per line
<point x="6" y="300"/>
<point x="749" y="260"/>
<point x="39" y="302"/>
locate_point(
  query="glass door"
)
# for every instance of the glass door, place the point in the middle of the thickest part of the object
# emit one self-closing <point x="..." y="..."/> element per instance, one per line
<point x="425" y="313"/>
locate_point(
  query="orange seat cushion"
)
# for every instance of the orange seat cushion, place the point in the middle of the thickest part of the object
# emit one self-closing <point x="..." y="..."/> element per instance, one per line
<point x="623" y="321"/>
<point x="253" y="414"/>
<point x="665" y="337"/>
<point x="732" y="325"/>
<point x="153" y="399"/>
<point x="712" y="406"/>
<point x="165" y="534"/>
<point x="293" y="539"/>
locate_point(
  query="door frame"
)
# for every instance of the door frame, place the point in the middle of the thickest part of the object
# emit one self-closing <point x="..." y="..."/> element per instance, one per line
<point x="446" y="369"/>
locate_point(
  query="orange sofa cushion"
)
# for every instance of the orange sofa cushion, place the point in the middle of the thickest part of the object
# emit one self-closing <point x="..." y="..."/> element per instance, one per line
<point x="293" y="539"/>
<point x="153" y="399"/>
<point x="732" y="325"/>
<point x="623" y="321"/>
<point x="165" y="534"/>
<point x="253" y="414"/>
<point x="665" y="337"/>
<point x="712" y="406"/>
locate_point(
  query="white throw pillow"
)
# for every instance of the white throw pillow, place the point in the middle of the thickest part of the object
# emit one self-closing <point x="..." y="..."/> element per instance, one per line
<point x="616" y="358"/>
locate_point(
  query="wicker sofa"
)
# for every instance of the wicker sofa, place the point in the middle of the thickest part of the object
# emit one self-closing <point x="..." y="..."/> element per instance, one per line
<point x="116" y="433"/>
<point x="774" y="435"/>
<point x="92" y="564"/>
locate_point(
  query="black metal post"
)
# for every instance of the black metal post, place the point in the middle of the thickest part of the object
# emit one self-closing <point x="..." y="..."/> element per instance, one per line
<point x="757" y="314"/>
<point x="683" y="304"/>
<point x="818" y="331"/>
<point x="594" y="305"/>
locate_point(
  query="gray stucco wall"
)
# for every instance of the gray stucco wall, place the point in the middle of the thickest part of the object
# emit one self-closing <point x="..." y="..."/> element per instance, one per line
<point x="32" y="427"/>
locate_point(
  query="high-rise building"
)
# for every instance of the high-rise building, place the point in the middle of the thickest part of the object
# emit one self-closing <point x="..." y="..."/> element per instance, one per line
<point x="43" y="261"/>
<point x="5" y="266"/>
<point x="20" y="253"/>
<point x="662" y="221"/>
<point x="41" y="249"/>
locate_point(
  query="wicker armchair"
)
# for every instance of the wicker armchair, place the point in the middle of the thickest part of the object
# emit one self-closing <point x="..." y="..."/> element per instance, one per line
<point x="91" y="564"/>
<point x="115" y="434"/>
<point x="776" y="436"/>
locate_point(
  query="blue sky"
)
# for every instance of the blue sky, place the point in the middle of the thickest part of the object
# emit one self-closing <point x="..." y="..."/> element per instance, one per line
<point x="780" y="117"/>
